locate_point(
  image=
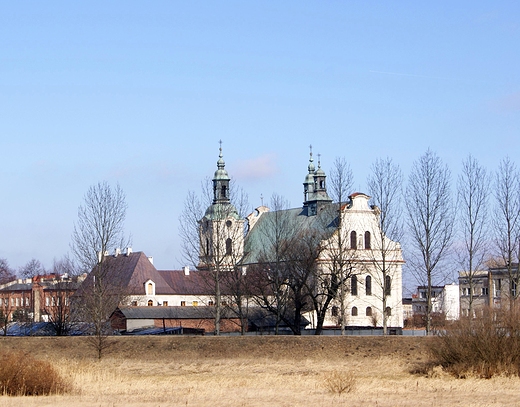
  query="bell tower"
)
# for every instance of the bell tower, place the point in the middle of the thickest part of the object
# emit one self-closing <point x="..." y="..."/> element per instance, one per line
<point x="315" y="188"/>
<point x="221" y="230"/>
<point x="221" y="181"/>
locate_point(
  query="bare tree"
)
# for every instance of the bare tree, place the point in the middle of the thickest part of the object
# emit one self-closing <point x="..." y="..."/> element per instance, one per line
<point x="6" y="306"/>
<point x="385" y="187"/>
<point x="32" y="268"/>
<point x="506" y="221"/>
<point x="99" y="229"/>
<point x="430" y="221"/>
<point x="237" y="284"/>
<point x="6" y="309"/>
<point x="100" y="225"/>
<point x="286" y="270"/>
<point x="212" y="232"/>
<point x="271" y="292"/>
<point x="339" y="257"/>
<point x="59" y="312"/>
<point x="300" y="272"/>
<point x="6" y="272"/>
<point x="473" y="192"/>
<point x="193" y="212"/>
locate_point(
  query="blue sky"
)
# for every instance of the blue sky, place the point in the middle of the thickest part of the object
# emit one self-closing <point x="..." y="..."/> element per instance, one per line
<point x="140" y="93"/>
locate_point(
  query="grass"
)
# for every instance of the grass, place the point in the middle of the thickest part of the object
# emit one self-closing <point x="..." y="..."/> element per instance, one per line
<point x="254" y="371"/>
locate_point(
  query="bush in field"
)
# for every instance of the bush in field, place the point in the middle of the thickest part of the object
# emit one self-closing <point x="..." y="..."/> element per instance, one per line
<point x="339" y="382"/>
<point x="22" y="375"/>
<point x="485" y="346"/>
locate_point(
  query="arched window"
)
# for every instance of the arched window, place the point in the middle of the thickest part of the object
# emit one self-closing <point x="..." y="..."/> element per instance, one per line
<point x="388" y="285"/>
<point x="334" y="311"/>
<point x="369" y="311"/>
<point x="149" y="289"/>
<point x="223" y="189"/>
<point x="388" y="311"/>
<point x="150" y="303"/>
<point x="367" y="240"/>
<point x="229" y="245"/>
<point x="353" y="240"/>
<point x="353" y="285"/>
<point x="354" y="311"/>
<point x="368" y="285"/>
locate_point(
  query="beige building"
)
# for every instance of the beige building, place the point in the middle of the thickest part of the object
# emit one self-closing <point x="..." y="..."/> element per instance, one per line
<point x="488" y="288"/>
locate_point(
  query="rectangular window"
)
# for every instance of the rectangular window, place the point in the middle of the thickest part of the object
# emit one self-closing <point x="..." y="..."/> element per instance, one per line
<point x="47" y="301"/>
<point x="485" y="291"/>
<point x="165" y="303"/>
<point x="353" y="285"/>
<point x="183" y="303"/>
<point x="195" y="303"/>
<point x="498" y="287"/>
<point x="17" y="301"/>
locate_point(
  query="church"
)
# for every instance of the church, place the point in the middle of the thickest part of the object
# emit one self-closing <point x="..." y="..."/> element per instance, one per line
<point x="327" y="261"/>
<point x="324" y="265"/>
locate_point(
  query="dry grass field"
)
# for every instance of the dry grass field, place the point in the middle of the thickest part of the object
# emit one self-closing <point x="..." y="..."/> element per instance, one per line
<point x="255" y="371"/>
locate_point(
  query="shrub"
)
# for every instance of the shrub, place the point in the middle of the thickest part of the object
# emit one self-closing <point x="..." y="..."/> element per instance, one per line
<point x="23" y="375"/>
<point x="485" y="346"/>
<point x="339" y="382"/>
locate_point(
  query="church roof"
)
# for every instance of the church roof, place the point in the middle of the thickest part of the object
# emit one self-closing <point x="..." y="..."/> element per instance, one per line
<point x="195" y="283"/>
<point x="129" y="272"/>
<point x="290" y="223"/>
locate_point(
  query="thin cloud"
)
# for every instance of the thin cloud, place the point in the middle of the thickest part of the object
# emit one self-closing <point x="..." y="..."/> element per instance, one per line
<point x="409" y="74"/>
<point x="508" y="103"/>
<point x="257" y="168"/>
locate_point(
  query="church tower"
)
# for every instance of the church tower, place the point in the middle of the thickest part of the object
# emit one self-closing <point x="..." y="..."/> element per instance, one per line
<point x="315" y="188"/>
<point x="308" y="184"/>
<point x="221" y="230"/>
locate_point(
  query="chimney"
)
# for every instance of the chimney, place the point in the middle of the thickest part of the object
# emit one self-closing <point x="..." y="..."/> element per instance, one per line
<point x="151" y="259"/>
<point x="186" y="270"/>
<point x="117" y="252"/>
<point x="128" y="251"/>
